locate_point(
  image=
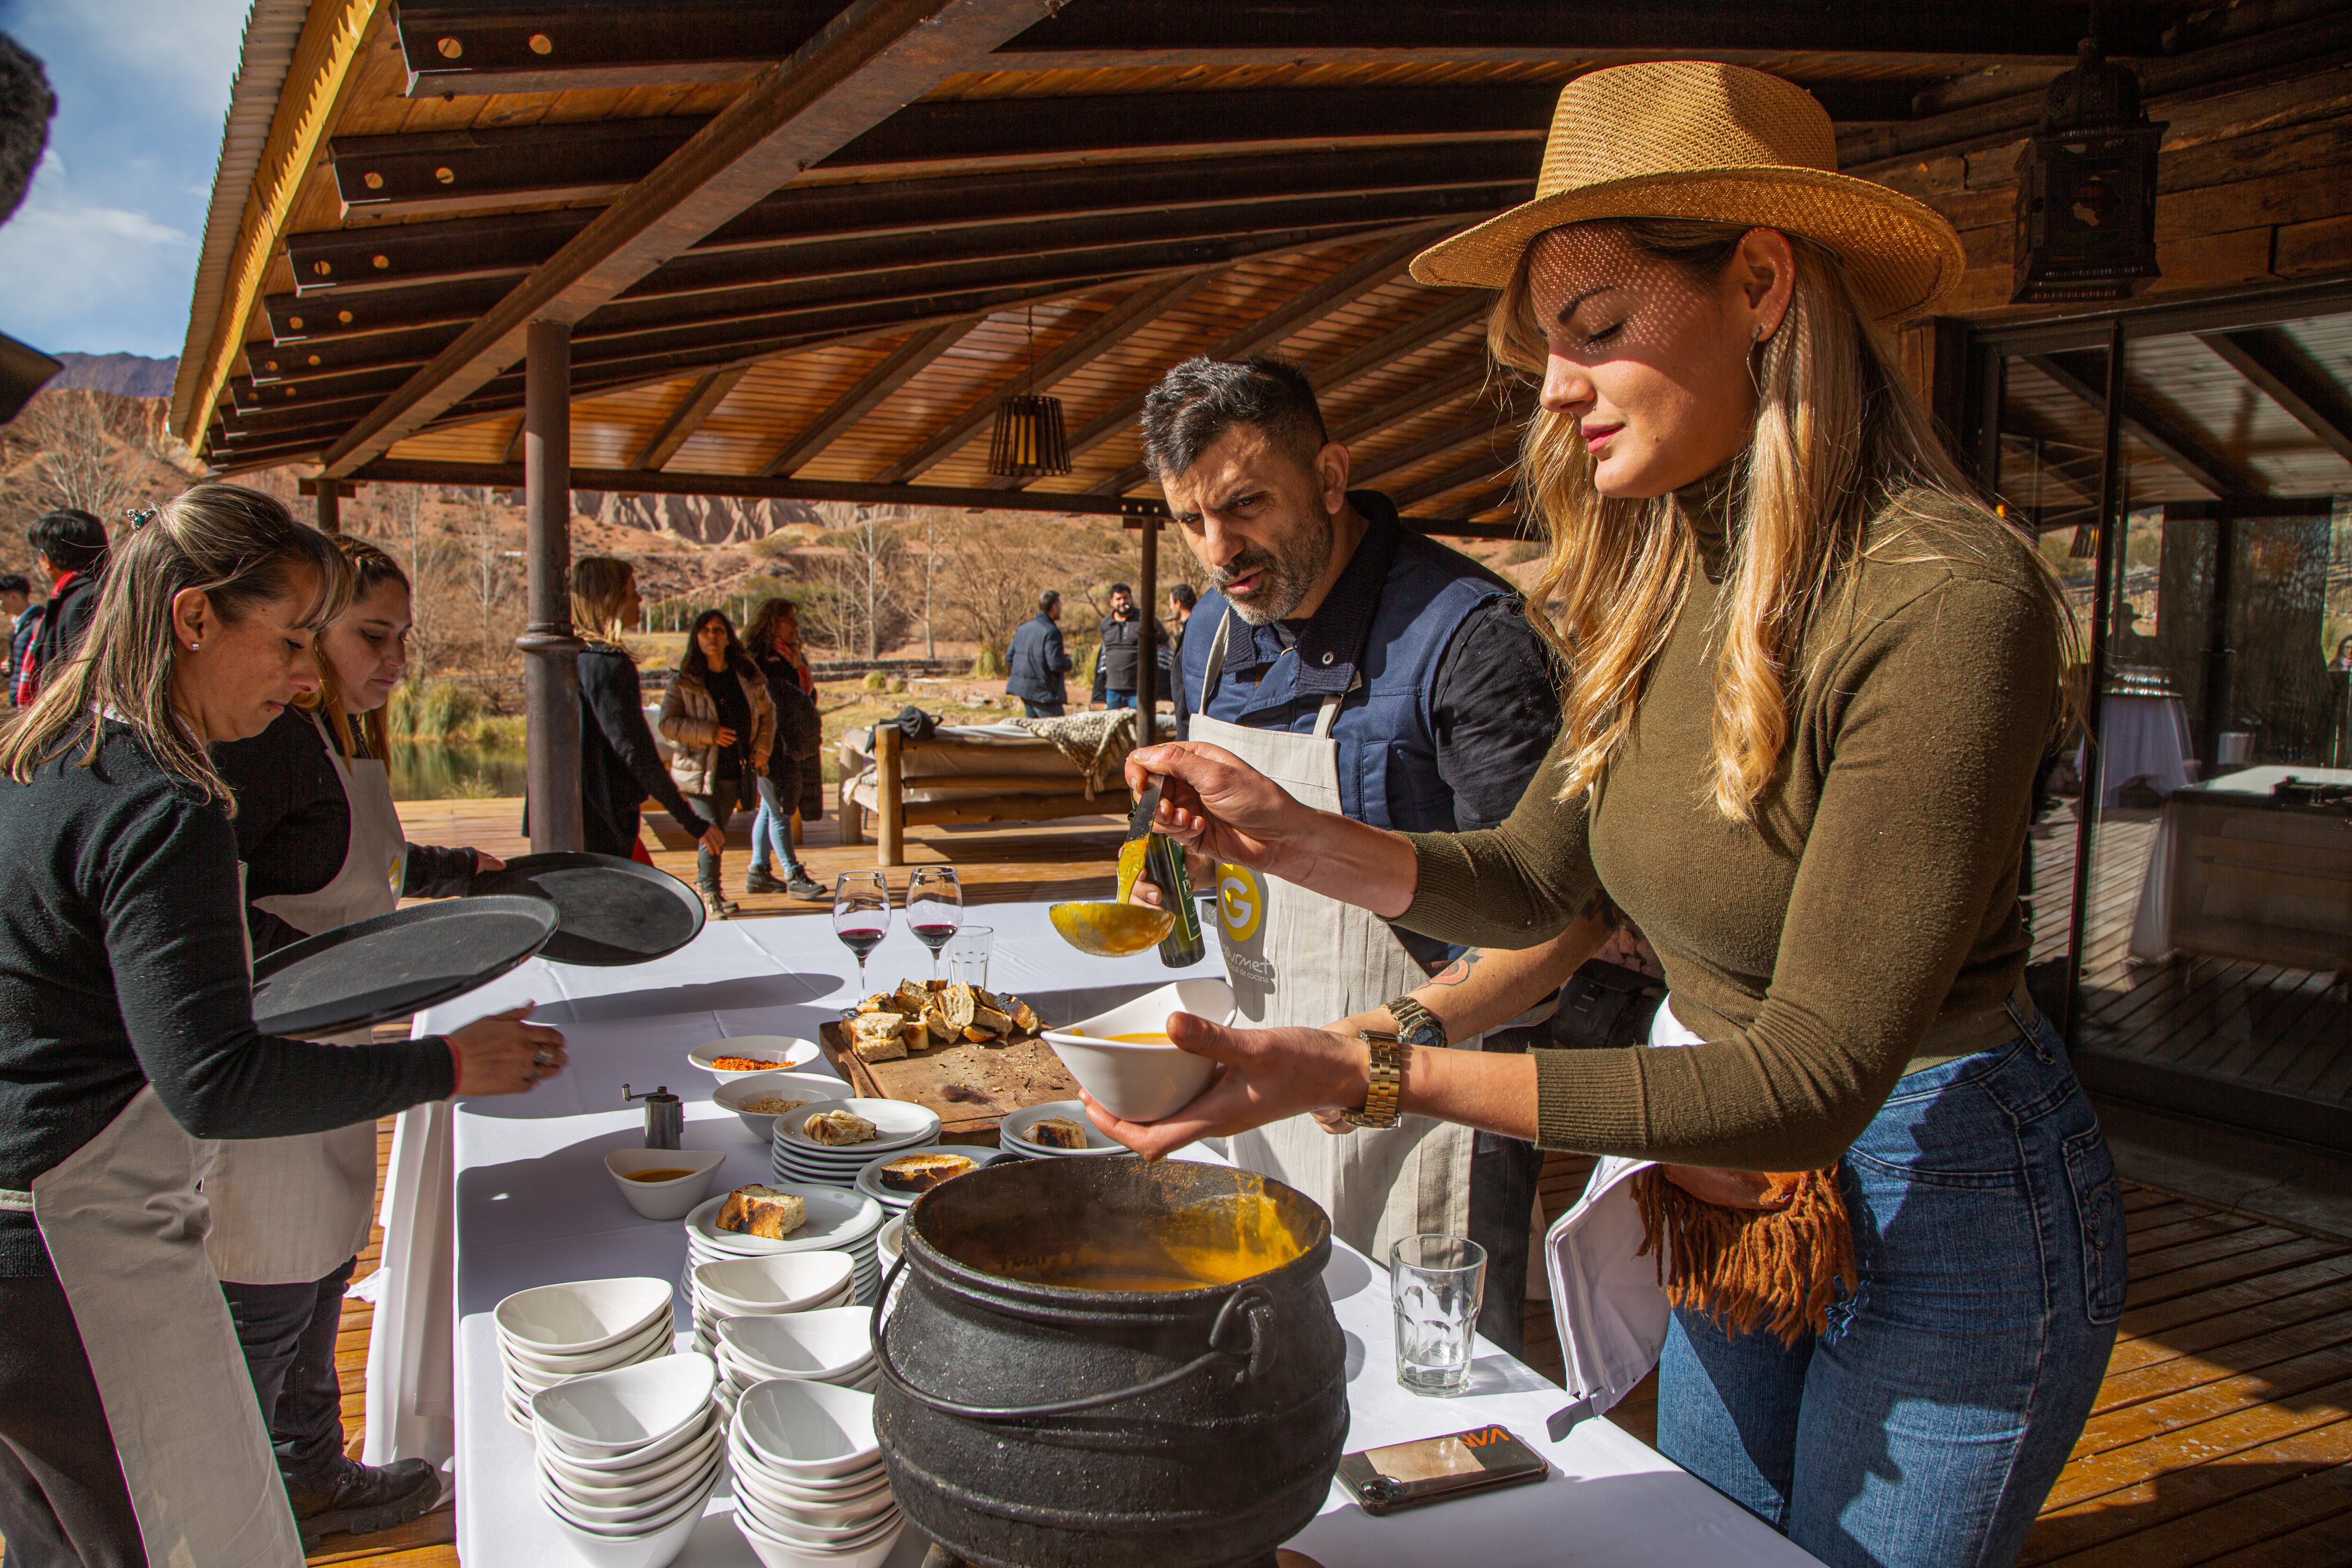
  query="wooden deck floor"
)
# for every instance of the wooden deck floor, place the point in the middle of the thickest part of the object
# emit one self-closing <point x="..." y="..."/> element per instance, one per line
<point x="2223" y="1431"/>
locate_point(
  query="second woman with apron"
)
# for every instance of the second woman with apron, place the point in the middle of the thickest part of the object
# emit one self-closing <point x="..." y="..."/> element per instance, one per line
<point x="322" y="847"/>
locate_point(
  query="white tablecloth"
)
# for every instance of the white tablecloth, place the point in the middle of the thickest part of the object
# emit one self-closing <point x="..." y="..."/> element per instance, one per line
<point x="2143" y="738"/>
<point x="2291" y="904"/>
<point x="533" y="1207"/>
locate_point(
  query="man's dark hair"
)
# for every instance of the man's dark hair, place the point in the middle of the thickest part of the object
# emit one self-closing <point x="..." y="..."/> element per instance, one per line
<point x="1196" y="402"/>
<point x="1183" y="593"/>
<point x="1122" y="588"/>
<point x="14" y="583"/>
<point x="72" y="539"/>
<point x="1048" y="600"/>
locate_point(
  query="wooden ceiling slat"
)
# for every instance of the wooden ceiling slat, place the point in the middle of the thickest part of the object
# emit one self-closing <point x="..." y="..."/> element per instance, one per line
<point x="705" y="395"/>
<point x="2283" y="373"/>
<point x="902" y="366"/>
<point x="848" y="77"/>
<point x="2186" y="449"/>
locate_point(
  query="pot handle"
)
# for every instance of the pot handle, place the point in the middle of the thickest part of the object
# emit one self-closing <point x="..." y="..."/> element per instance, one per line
<point x="1251" y="1303"/>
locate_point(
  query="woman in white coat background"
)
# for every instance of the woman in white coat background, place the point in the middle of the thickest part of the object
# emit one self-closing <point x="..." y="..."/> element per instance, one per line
<point x="322" y="847"/>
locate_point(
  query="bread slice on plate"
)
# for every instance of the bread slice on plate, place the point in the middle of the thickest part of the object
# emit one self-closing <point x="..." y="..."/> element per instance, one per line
<point x="1057" y="1133"/>
<point x="837" y="1127"/>
<point x="762" y="1211"/>
<point x="921" y="1172"/>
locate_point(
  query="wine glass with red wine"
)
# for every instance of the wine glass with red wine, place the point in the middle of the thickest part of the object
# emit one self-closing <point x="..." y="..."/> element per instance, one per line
<point x="861" y="914"/>
<point x="934" y="907"/>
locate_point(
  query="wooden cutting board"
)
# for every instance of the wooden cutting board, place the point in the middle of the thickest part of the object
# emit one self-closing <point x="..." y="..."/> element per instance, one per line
<point x="971" y="1087"/>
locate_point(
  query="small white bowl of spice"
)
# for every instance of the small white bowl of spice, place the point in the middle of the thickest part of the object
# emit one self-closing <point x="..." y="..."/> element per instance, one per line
<point x="664" y="1183"/>
<point x="762" y="1097"/>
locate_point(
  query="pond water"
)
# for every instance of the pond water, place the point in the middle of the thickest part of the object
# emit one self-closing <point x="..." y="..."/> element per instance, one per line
<point x="459" y="772"/>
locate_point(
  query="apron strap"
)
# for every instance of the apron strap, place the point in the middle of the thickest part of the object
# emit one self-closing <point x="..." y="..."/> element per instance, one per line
<point x="1326" y="715"/>
<point x="1216" y="667"/>
<point x="14" y="1202"/>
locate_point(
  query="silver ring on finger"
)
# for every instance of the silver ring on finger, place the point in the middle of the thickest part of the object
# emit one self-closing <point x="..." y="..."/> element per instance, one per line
<point x="540" y="1058"/>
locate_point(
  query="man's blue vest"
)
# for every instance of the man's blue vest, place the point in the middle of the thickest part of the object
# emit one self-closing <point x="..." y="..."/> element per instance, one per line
<point x="1388" y="743"/>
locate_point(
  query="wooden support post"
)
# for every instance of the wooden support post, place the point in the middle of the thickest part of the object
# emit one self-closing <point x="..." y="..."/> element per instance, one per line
<point x="330" y="506"/>
<point x="552" y="654"/>
<point x="889" y="811"/>
<point x="1147" y="658"/>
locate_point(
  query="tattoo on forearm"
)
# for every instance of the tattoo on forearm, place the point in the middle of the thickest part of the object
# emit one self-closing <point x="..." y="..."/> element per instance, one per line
<point x="1457" y="972"/>
<point x="1599" y="907"/>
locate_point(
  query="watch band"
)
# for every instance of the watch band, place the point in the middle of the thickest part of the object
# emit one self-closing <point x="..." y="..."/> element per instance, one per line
<point x="1384" y="1080"/>
<point x="1417" y="1025"/>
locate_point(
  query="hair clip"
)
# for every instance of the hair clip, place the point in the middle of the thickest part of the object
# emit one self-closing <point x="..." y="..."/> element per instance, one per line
<point x="140" y="516"/>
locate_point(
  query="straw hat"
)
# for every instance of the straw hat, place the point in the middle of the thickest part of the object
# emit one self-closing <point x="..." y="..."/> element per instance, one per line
<point x="1693" y="139"/>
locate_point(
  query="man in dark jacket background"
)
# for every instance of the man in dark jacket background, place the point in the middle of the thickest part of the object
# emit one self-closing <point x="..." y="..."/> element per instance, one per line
<point x="69" y="545"/>
<point x="1037" y="662"/>
<point x="1122" y="631"/>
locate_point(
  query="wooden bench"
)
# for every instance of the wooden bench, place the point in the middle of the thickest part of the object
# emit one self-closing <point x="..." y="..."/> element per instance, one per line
<point x="1047" y="787"/>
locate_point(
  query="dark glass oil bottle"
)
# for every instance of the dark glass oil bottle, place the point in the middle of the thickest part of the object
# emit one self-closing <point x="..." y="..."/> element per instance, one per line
<point x="1163" y="862"/>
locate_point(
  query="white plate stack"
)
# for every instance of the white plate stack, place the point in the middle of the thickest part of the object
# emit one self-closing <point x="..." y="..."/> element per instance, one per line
<point x="794" y="1156"/>
<point x="764" y="1287"/>
<point x="832" y="1345"/>
<point x="626" y="1458"/>
<point x="810" y="1488"/>
<point x="870" y="1183"/>
<point x="557" y="1333"/>
<point x="1013" y="1132"/>
<point x="838" y="1221"/>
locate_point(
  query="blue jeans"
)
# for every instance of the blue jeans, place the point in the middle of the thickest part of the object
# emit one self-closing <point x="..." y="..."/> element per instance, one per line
<point x="1929" y="1420"/>
<point x="772" y="830"/>
<point x="1115" y="699"/>
<point x="1041" y="710"/>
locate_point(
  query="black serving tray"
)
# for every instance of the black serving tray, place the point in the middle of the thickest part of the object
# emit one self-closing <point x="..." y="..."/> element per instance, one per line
<point x="391" y="965"/>
<point x="610" y="910"/>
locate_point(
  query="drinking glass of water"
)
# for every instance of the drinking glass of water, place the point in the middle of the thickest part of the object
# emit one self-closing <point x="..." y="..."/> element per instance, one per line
<point x="861" y="914"/>
<point x="1436" y="1284"/>
<point x="968" y="956"/>
<point x="934" y="907"/>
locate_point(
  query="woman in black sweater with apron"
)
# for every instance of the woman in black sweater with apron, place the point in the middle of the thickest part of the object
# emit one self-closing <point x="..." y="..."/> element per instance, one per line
<point x="129" y="1432"/>
<point x="322" y="847"/>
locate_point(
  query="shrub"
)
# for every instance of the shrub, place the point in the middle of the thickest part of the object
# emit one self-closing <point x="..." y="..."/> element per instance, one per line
<point x="988" y="664"/>
<point x="876" y="681"/>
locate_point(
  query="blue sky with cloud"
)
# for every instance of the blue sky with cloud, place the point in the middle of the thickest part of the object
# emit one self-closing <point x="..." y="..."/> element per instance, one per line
<point x="102" y="257"/>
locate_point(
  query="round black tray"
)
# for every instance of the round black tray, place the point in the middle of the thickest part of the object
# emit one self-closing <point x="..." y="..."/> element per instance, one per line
<point x="610" y="910"/>
<point x="372" y="969"/>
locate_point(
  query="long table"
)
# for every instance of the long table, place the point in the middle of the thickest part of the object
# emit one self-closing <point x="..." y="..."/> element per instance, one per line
<point x="534" y="1205"/>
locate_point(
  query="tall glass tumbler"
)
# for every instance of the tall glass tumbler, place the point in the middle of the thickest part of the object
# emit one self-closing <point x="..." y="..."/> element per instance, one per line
<point x="967" y="956"/>
<point x="1436" y="1284"/>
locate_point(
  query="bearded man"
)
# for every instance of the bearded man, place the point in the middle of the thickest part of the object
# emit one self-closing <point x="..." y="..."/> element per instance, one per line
<point x="1372" y="672"/>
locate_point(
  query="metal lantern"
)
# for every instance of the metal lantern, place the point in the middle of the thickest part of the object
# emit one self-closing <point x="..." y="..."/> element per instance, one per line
<point x="1029" y="440"/>
<point x="2086" y="189"/>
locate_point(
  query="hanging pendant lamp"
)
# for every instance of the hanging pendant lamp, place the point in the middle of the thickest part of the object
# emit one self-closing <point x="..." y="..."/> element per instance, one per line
<point x="2086" y="188"/>
<point x="1029" y="440"/>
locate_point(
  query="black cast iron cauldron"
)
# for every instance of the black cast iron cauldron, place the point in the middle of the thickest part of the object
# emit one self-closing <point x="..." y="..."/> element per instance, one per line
<point x="1032" y="1425"/>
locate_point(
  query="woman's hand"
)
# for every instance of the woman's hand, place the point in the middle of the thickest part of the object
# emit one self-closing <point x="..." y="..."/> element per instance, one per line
<point x="485" y="862"/>
<point x="503" y="1054"/>
<point x="714" y="839"/>
<point x="1264" y="1075"/>
<point x="723" y="736"/>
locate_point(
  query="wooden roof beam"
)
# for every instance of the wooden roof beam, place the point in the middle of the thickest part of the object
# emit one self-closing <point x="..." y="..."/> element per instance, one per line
<point x="901" y="366"/>
<point x="876" y="57"/>
<point x="2183" y="447"/>
<point x="1486" y="423"/>
<point x="1484" y="466"/>
<point x="701" y="400"/>
<point x="1377" y="267"/>
<point x="2284" y="374"/>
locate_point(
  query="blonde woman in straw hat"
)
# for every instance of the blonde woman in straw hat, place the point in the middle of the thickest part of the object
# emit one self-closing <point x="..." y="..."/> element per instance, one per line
<point x="1813" y="676"/>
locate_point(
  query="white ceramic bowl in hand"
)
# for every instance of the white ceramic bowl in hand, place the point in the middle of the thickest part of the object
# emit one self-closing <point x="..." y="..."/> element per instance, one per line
<point x="1142" y="1082"/>
<point x="808" y="1088"/>
<point x="671" y="1199"/>
<point x="583" y="1316"/>
<point x="777" y="1050"/>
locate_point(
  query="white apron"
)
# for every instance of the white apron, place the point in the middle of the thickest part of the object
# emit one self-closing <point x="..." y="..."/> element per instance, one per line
<point x="289" y="1211"/>
<point x="1606" y="1300"/>
<point x="124" y="1227"/>
<point x="1295" y="957"/>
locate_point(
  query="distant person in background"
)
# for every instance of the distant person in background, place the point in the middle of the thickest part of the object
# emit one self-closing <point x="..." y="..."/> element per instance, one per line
<point x="2343" y="656"/>
<point x="1038" y="660"/>
<point x="794" y="779"/>
<point x="718" y="716"/>
<point x="23" y="620"/>
<point x="69" y="547"/>
<point x="15" y="597"/>
<point x="1122" y="638"/>
<point x="1181" y="600"/>
<point x="620" y="765"/>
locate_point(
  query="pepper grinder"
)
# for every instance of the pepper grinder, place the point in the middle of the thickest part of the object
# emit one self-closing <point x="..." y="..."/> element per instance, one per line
<point x="665" y="1116"/>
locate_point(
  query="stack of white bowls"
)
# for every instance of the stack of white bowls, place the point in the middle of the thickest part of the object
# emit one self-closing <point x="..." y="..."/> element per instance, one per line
<point x="810" y="1488"/>
<point x="626" y="1458"/>
<point x="557" y="1333"/>
<point x="897" y="1126"/>
<point x="832" y="1345"/>
<point x="837" y="1221"/>
<point x="763" y="1286"/>
<point x="1013" y="1132"/>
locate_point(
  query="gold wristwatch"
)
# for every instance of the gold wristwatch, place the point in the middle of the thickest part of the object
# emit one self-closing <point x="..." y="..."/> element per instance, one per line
<point x="1385" y="1080"/>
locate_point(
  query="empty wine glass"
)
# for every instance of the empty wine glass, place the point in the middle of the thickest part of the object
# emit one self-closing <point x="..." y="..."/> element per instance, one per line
<point x="934" y="907"/>
<point x="861" y="914"/>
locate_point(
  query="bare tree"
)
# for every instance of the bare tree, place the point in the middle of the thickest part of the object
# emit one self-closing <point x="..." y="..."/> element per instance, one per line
<point x="487" y="570"/>
<point x="862" y="565"/>
<point x="89" y="450"/>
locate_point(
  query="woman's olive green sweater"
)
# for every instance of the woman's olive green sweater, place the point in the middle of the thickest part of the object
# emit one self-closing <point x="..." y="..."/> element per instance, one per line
<point x="1873" y="897"/>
